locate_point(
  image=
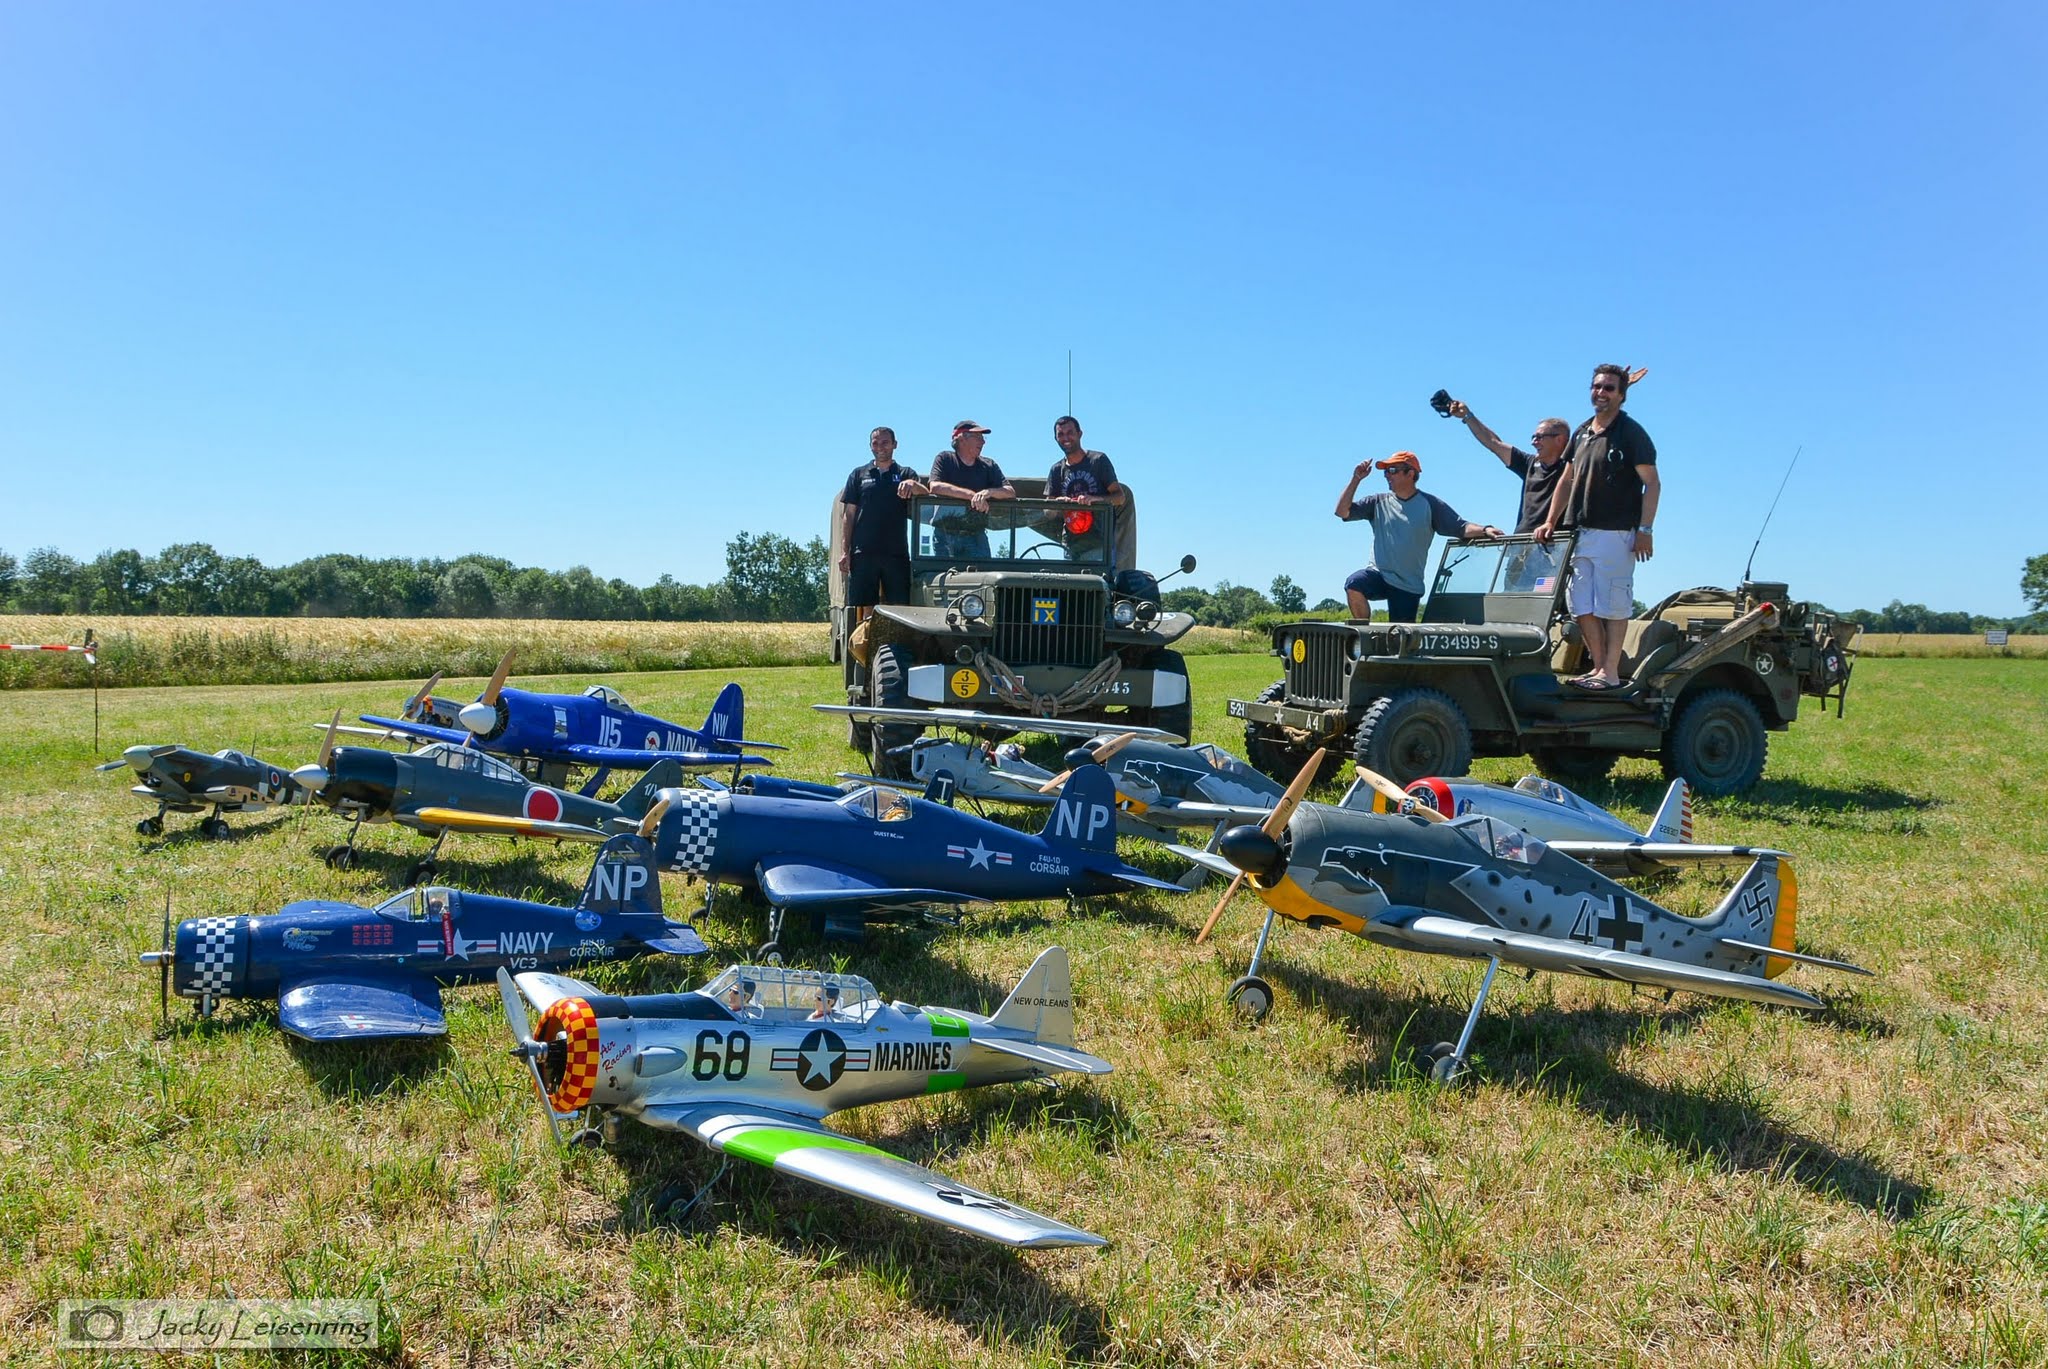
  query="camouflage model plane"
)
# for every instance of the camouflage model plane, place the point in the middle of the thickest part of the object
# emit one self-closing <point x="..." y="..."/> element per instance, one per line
<point x="753" y="1062"/>
<point x="1480" y="888"/>
<point x="441" y="788"/>
<point x="345" y="973"/>
<point x="178" y="780"/>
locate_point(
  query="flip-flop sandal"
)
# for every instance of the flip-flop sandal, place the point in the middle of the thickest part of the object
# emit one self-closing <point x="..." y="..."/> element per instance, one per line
<point x="1595" y="683"/>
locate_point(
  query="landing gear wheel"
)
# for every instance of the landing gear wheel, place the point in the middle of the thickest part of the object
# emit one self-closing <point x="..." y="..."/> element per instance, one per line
<point x="1717" y="743"/>
<point x="1252" y="996"/>
<point x="150" y="827"/>
<point x="889" y="687"/>
<point x="420" y="871"/>
<point x="1575" y="767"/>
<point x="215" y="829"/>
<point x="1412" y="733"/>
<point x="766" y="950"/>
<point x="341" y="858"/>
<point x="1448" y="1070"/>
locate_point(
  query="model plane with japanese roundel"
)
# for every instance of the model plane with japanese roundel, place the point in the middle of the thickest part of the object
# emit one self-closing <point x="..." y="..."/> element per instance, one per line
<point x="752" y="1063"/>
<point x="1481" y="888"/>
<point x="594" y="728"/>
<point x="340" y="972"/>
<point x="442" y="788"/>
<point x="842" y="856"/>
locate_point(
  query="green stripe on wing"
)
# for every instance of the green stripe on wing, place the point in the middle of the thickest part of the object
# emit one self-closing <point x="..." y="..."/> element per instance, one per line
<point x="766" y="1145"/>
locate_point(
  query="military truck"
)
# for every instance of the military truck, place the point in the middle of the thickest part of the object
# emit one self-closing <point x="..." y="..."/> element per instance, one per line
<point x="1034" y="608"/>
<point x="1708" y="674"/>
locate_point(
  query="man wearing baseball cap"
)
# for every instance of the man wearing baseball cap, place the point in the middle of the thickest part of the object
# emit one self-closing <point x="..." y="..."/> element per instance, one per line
<point x="962" y="472"/>
<point x="1404" y="519"/>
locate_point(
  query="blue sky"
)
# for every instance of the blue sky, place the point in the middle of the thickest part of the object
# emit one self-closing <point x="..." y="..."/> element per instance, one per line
<point x="609" y="284"/>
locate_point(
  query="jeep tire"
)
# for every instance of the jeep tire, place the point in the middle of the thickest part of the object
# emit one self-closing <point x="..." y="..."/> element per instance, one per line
<point x="1716" y="743"/>
<point x="889" y="687"/>
<point x="1412" y="733"/>
<point x="1274" y="758"/>
<point x="1573" y="766"/>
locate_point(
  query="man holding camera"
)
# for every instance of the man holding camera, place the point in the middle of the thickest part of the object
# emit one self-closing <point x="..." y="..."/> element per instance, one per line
<point x="1538" y="472"/>
<point x="1609" y="493"/>
<point x="1404" y="520"/>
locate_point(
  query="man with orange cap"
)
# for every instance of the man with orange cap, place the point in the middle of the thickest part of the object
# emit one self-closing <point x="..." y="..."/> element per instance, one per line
<point x="1403" y="519"/>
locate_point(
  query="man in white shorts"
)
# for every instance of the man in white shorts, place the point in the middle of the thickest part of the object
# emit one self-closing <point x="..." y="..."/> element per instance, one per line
<point x="1609" y="493"/>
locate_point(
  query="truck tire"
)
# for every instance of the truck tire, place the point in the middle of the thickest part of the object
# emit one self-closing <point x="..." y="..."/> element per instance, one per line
<point x="1176" y="718"/>
<point x="1267" y="756"/>
<point x="889" y="687"/>
<point x="1717" y="743"/>
<point x="1412" y="733"/>
<point x="1573" y="766"/>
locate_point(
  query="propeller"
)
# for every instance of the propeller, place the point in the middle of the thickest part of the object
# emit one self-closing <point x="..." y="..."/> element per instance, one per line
<point x="1096" y="757"/>
<point x="416" y="705"/>
<point x="1401" y="799"/>
<point x="313" y="778"/>
<point x="1257" y="849"/>
<point x="528" y="1049"/>
<point x="136" y="758"/>
<point x="161" y="958"/>
<point x="650" y="821"/>
<point x="481" y="716"/>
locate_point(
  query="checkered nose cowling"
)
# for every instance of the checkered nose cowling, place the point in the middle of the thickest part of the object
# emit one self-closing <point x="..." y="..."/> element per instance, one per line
<point x="689" y="829"/>
<point x="568" y="1029"/>
<point x="210" y="957"/>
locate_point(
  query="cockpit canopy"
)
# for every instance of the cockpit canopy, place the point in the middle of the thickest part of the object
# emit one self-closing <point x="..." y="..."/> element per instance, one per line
<point x="777" y="991"/>
<point x="883" y="805"/>
<point x="467" y="759"/>
<point x="1501" y="840"/>
<point x="605" y="694"/>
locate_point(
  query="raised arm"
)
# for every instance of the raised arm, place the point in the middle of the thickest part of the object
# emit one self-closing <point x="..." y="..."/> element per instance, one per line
<point x="1345" y="500"/>
<point x="1486" y="436"/>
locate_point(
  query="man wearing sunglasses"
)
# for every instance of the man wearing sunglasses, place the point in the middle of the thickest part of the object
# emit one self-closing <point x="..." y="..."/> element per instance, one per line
<point x="1538" y="471"/>
<point x="1609" y="493"/>
<point x="1403" y="519"/>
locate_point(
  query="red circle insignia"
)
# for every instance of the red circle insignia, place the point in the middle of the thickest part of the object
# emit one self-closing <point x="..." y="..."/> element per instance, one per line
<point x="543" y="805"/>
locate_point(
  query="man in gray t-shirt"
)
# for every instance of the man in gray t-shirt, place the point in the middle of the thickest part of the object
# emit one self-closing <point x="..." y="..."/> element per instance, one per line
<point x="1403" y="521"/>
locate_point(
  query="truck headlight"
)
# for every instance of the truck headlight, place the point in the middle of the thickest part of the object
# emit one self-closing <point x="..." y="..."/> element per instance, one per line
<point x="973" y="605"/>
<point x="1124" y="614"/>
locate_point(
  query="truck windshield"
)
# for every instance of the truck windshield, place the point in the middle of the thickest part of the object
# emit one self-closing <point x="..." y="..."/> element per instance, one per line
<point x="1015" y="531"/>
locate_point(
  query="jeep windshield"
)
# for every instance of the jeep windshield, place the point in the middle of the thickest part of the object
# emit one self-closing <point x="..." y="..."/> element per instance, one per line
<point x="1030" y="532"/>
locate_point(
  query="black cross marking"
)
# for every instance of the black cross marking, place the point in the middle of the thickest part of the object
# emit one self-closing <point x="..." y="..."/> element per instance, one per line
<point x="1621" y="929"/>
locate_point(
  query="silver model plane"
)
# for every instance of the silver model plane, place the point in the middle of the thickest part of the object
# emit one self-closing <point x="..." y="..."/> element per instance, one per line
<point x="753" y="1062"/>
<point x="1481" y="888"/>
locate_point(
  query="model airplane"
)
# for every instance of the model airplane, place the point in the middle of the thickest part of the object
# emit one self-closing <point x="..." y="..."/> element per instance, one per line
<point x="442" y="788"/>
<point x="1481" y="888"/>
<point x="178" y="780"/>
<point x="753" y="1062"/>
<point x="344" y="973"/>
<point x="594" y="728"/>
<point x="844" y="855"/>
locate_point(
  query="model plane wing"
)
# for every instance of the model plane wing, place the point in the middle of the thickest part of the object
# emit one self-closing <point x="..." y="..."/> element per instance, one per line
<point x="394" y="728"/>
<point x="1417" y="929"/>
<point x="1199" y="813"/>
<point x="998" y="722"/>
<point x="336" y="1007"/>
<point x="788" y="883"/>
<point x="789" y="1143"/>
<point x="583" y="753"/>
<point x="1208" y="860"/>
<point x="493" y="824"/>
<point x="1654" y="857"/>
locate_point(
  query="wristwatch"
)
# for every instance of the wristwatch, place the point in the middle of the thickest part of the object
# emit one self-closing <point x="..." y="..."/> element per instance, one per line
<point x="1646" y="528"/>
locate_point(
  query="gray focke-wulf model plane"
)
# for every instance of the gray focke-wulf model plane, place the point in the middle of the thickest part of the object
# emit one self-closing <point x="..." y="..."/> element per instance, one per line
<point x="1483" y="889"/>
<point x="753" y="1062"/>
<point x="179" y="780"/>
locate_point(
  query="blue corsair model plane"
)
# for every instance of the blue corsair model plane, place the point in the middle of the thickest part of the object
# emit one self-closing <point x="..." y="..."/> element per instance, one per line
<point x="752" y="1063"/>
<point x="594" y="728"/>
<point x="344" y="973"/>
<point x="840" y="856"/>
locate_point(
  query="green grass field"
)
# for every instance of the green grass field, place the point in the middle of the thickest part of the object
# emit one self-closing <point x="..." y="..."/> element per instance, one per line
<point x="1625" y="1182"/>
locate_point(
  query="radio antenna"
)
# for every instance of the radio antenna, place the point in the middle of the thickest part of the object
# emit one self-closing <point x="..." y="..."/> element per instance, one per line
<point x="1070" y="380"/>
<point x="1768" y="512"/>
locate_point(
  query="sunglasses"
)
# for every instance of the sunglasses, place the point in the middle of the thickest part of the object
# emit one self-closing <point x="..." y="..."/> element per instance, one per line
<point x="1545" y="437"/>
<point x="1400" y="470"/>
<point x="1606" y="385"/>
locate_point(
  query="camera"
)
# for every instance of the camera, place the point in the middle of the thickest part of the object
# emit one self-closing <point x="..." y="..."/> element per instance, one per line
<point x="95" y="1324"/>
<point x="1441" y="402"/>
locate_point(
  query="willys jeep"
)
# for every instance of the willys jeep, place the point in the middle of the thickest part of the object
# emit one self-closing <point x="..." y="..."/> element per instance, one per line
<point x="1034" y="608"/>
<point x="1707" y="674"/>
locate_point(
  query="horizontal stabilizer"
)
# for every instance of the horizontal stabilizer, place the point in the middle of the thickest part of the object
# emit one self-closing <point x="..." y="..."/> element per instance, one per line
<point x="1053" y="1057"/>
<point x="1802" y="957"/>
<point x="1654" y="857"/>
<point x="1207" y="860"/>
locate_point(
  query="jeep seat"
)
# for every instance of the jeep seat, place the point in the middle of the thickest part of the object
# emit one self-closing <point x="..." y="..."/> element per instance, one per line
<point x="1649" y="644"/>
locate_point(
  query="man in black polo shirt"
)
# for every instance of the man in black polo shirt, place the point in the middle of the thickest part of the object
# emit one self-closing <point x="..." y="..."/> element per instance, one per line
<point x="874" y="515"/>
<point x="1609" y="493"/>
<point x="1538" y="471"/>
<point x="962" y="472"/>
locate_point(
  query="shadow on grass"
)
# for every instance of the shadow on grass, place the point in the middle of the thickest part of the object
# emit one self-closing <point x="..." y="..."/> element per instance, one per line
<point x="520" y="875"/>
<point x="990" y="1290"/>
<point x="1569" y="1055"/>
<point x="189" y="834"/>
<point x="352" y="1071"/>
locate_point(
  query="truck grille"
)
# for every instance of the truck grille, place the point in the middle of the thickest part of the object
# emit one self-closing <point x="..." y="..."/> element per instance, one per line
<point x="1024" y="637"/>
<point x="1319" y="677"/>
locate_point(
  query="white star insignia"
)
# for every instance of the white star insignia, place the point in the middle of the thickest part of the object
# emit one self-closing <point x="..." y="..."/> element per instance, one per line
<point x="977" y="855"/>
<point x="459" y="945"/>
<point x="818" y="1063"/>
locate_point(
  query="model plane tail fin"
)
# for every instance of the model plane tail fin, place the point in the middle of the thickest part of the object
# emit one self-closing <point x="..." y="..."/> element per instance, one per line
<point x="1674" y="816"/>
<point x="726" y="722"/>
<point x="623" y="882"/>
<point x="1085" y="813"/>
<point x="661" y="775"/>
<point x="1763" y="909"/>
<point x="1043" y="1001"/>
